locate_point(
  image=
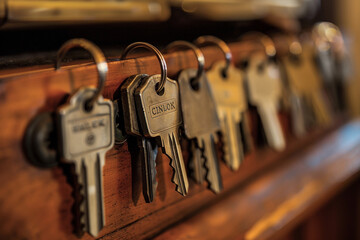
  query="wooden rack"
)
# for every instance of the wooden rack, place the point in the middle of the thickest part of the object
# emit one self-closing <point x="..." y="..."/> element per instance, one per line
<point x="39" y="200"/>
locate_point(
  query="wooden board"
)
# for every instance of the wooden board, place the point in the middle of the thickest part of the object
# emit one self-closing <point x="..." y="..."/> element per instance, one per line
<point x="36" y="203"/>
<point x="274" y="203"/>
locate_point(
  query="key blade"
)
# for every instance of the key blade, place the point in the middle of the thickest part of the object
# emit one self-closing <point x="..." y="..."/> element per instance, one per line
<point x="89" y="170"/>
<point x="213" y="175"/>
<point x="297" y="115"/>
<point x="321" y="110"/>
<point x="197" y="162"/>
<point x="173" y="151"/>
<point x="272" y="127"/>
<point x="233" y="147"/>
<point x="149" y="151"/>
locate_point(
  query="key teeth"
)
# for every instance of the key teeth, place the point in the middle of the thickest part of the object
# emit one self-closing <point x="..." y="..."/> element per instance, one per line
<point x="175" y="180"/>
<point x="78" y="194"/>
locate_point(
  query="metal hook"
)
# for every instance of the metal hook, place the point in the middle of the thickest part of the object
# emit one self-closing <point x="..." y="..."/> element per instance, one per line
<point x="205" y="40"/>
<point x="96" y="54"/>
<point x="159" y="56"/>
<point x="326" y="34"/>
<point x="199" y="55"/>
<point x="264" y="39"/>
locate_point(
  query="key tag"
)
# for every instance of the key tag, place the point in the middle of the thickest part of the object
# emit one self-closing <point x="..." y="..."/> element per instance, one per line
<point x="201" y="122"/>
<point x="226" y="83"/>
<point x="304" y="81"/>
<point x="265" y="89"/>
<point x="86" y="127"/>
<point x="333" y="61"/>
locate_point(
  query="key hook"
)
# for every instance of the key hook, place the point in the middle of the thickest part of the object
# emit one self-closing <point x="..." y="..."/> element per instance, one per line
<point x="159" y="56"/>
<point x="198" y="53"/>
<point x="264" y="39"/>
<point x="96" y="54"/>
<point x="327" y="35"/>
<point x="207" y="40"/>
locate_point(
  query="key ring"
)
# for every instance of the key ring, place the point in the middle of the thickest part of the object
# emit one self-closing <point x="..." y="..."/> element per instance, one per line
<point x="264" y="39"/>
<point x="159" y="56"/>
<point x="206" y="40"/>
<point x="327" y="35"/>
<point x="198" y="53"/>
<point x="96" y="54"/>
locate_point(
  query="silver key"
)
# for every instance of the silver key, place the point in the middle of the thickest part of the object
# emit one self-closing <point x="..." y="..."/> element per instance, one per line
<point x="160" y="116"/>
<point x="264" y="92"/>
<point x="230" y="105"/>
<point x="148" y="148"/>
<point x="85" y="138"/>
<point x="201" y="122"/>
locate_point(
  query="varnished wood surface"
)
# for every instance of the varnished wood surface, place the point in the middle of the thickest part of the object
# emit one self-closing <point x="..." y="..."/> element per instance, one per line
<point x="36" y="203"/>
<point x="271" y="205"/>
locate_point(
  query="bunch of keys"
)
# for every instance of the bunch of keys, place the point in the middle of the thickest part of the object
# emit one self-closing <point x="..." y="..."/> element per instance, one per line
<point x="86" y="129"/>
<point x="306" y="87"/>
<point x="157" y="102"/>
<point x="148" y="149"/>
<point x="227" y="86"/>
<point x="264" y="87"/>
<point x="201" y="122"/>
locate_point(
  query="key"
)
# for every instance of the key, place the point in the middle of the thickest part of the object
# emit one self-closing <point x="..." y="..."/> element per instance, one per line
<point x="160" y="117"/>
<point x="197" y="163"/>
<point x="86" y="135"/>
<point x="201" y="122"/>
<point x="264" y="92"/>
<point x="230" y="103"/>
<point x="304" y="81"/>
<point x="148" y="148"/>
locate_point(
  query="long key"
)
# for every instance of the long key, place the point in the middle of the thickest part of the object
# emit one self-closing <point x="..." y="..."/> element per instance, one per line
<point x="160" y="116"/>
<point x="201" y="122"/>
<point x="264" y="92"/>
<point x="147" y="146"/>
<point x="85" y="138"/>
<point x="230" y="105"/>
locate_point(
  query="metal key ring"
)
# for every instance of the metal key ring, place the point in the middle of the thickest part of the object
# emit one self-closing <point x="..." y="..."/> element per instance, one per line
<point x="96" y="54"/>
<point x="198" y="53"/>
<point x="159" y="56"/>
<point x="327" y="35"/>
<point x="264" y="39"/>
<point x="206" y="40"/>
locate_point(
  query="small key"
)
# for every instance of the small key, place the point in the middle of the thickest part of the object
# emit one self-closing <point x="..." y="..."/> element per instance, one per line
<point x="148" y="148"/>
<point x="305" y="81"/>
<point x="264" y="92"/>
<point x="230" y="103"/>
<point x="196" y="163"/>
<point x="86" y="135"/>
<point x="160" y="116"/>
<point x="201" y="122"/>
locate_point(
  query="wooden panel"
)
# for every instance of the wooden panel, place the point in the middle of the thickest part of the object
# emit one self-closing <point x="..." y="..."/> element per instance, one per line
<point x="36" y="203"/>
<point x="270" y="205"/>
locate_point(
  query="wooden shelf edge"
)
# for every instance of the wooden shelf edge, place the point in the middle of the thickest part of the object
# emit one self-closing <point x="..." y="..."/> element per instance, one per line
<point x="270" y="206"/>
